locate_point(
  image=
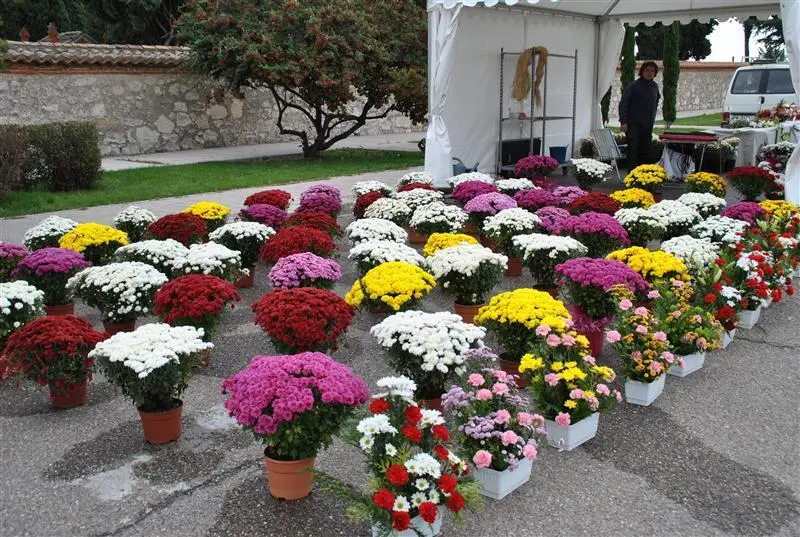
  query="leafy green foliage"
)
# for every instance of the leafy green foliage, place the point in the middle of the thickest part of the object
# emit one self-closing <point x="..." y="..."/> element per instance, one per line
<point x="694" y="43"/>
<point x="672" y="70"/>
<point x="158" y="390"/>
<point x="628" y="71"/>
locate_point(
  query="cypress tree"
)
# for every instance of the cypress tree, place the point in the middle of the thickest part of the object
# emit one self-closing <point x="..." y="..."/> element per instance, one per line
<point x="672" y="70"/>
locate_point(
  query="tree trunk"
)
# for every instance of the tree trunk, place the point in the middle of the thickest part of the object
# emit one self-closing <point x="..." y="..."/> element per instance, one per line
<point x="748" y="31"/>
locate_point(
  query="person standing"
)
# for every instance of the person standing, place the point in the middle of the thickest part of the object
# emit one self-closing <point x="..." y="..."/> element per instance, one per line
<point x="637" y="113"/>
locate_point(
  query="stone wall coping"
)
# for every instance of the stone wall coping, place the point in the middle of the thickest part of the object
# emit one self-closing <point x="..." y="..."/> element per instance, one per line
<point x="83" y="55"/>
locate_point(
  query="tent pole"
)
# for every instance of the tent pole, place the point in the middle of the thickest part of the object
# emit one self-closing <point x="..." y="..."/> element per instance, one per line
<point x="595" y="102"/>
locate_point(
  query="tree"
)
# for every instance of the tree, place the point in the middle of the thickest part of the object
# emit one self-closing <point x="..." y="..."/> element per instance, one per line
<point x="693" y="36"/>
<point x="318" y="58"/>
<point x="671" y="73"/>
<point x="628" y="70"/>
<point x="770" y="51"/>
<point x="747" y="26"/>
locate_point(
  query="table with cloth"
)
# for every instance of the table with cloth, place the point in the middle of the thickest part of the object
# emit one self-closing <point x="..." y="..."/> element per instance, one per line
<point x="752" y="140"/>
<point x="793" y="128"/>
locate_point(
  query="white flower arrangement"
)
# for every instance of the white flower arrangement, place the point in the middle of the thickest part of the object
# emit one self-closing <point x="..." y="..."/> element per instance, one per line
<point x="415" y="177"/>
<point x="676" y="216"/>
<point x="365" y="187"/>
<point x="719" y="229"/>
<point x="704" y="203"/>
<point x="133" y="220"/>
<point x="151" y="346"/>
<point x="470" y="176"/>
<point x="692" y="251"/>
<point x="369" y="254"/>
<point x="121" y="291"/>
<point x="642" y="226"/>
<point x="209" y="258"/>
<point x="513" y="185"/>
<point x="589" y="171"/>
<point x="401" y="386"/>
<point x="467" y="270"/>
<point x="47" y="232"/>
<point x="246" y="237"/>
<point x="438" y="217"/>
<point x="159" y="254"/>
<point x="394" y="210"/>
<point x="419" y="197"/>
<point x="424" y="464"/>
<point x="505" y="225"/>
<point x="20" y="303"/>
<point x="374" y="229"/>
<point x="532" y="243"/>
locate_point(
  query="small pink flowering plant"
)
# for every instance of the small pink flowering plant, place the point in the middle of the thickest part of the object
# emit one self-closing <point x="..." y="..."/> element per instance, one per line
<point x="690" y="328"/>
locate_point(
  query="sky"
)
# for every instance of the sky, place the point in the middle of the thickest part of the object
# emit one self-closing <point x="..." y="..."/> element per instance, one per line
<point x="727" y="41"/>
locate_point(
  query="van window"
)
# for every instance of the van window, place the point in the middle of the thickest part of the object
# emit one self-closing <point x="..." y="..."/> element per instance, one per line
<point x="779" y="81"/>
<point x="748" y="81"/>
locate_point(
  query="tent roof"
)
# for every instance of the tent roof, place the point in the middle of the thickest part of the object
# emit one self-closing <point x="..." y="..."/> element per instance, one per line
<point x="636" y="11"/>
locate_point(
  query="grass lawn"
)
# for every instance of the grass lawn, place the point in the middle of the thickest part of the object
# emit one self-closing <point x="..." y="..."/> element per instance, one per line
<point x="167" y="181"/>
<point x="703" y="120"/>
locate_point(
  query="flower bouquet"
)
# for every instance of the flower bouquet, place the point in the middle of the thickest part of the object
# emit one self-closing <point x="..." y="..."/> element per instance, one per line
<point x="719" y="229"/>
<point x="121" y="291"/>
<point x="183" y="227"/>
<point x="374" y="229"/>
<point x="485" y="205"/>
<point x="415" y="177"/>
<point x="469" y="272"/>
<point x="706" y="182"/>
<point x="714" y="292"/>
<point x="535" y="199"/>
<point x="414" y="199"/>
<point x="295" y="240"/>
<point x="509" y="187"/>
<point x="652" y="266"/>
<point x="210" y="258"/>
<point x="750" y="181"/>
<point x="568" y="194"/>
<point x="213" y="214"/>
<point x="391" y="209"/>
<point x="599" y="232"/>
<point x="588" y="172"/>
<point x="641" y="225"/>
<point x="551" y="218"/>
<point x="595" y="202"/>
<point x="278" y="198"/>
<point x="20" y="303"/>
<point x="152" y="366"/>
<point x="704" y="203"/>
<point x="263" y="213"/>
<point x="294" y="405"/>
<point x="96" y="242"/>
<point x="247" y="238"/>
<point x="507" y="224"/>
<point x="470" y="176"/>
<point x="368" y="255"/>
<point x="49" y="269"/>
<point x="633" y="198"/>
<point x="364" y="201"/>
<point x="676" y="217"/>
<point x="47" y="233"/>
<point x="53" y="352"/>
<point x="10" y="256"/>
<point x="160" y="254"/>
<point x="747" y="273"/>
<point x="427" y="347"/>
<point x="438" y="217"/>
<point x="746" y="211"/>
<point x="468" y="190"/>
<point x="321" y="221"/>
<point x="320" y="202"/>
<point x="693" y="252"/>
<point x="303" y="319"/>
<point x="541" y="253"/>
<point x="440" y="241"/>
<point x="365" y="187"/>
<point x="588" y="282"/>
<point x="535" y="167"/>
<point x="414" y="186"/>
<point x="133" y="220"/>
<point x="391" y="286"/>
<point x="647" y="177"/>
<point x="304" y="270"/>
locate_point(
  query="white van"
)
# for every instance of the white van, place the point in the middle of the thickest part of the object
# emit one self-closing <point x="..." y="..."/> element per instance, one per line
<point x="757" y="87"/>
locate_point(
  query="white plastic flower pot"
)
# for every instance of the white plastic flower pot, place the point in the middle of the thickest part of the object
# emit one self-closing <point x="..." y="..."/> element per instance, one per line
<point x="643" y="393"/>
<point x="692" y="362"/>
<point x="423" y="529"/>
<point x="748" y="319"/>
<point x="498" y="485"/>
<point x="569" y="437"/>
<point x="727" y="337"/>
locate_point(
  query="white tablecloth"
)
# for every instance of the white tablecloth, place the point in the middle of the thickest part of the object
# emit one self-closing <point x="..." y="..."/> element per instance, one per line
<point x="793" y="127"/>
<point x="752" y="140"/>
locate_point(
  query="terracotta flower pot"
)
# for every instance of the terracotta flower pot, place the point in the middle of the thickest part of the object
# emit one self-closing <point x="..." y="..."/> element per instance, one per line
<point x="514" y="267"/>
<point x="512" y="368"/>
<point x="415" y="237"/>
<point x="113" y="328"/>
<point x="289" y="480"/>
<point x="69" y="396"/>
<point x="471" y="229"/>
<point x="246" y="282"/>
<point x="164" y="426"/>
<point x="468" y="312"/>
<point x="488" y="243"/>
<point x="60" y="311"/>
<point x="552" y="290"/>
<point x="430" y="404"/>
<point x="593" y="329"/>
<point x="381" y="308"/>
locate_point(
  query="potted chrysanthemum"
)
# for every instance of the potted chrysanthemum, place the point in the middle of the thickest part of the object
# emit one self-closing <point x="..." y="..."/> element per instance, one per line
<point x="20" y="303"/>
<point x="695" y="253"/>
<point x="647" y="177"/>
<point x="419" y="197"/>
<point x="467" y="190"/>
<point x="501" y="229"/>
<point x="185" y="228"/>
<point x="273" y="196"/>
<point x="633" y="198"/>
<point x="641" y="225"/>
<point x="440" y="241"/>
<point x="365" y="187"/>
<point x="600" y="233"/>
<point x="541" y="253"/>
<point x="654" y="266"/>
<point x="263" y="213"/>
<point x="704" y="203"/>
<point x="481" y="207"/>
<point x="513" y="185"/>
<point x="49" y="269"/>
<point x="470" y="176"/>
<point x="317" y="220"/>
<point x="706" y="182"/>
<point x="391" y="209"/>
<point x="568" y="194"/>
<point x="295" y="240"/>
<point x="304" y="270"/>
<point x="677" y="217"/>
<point x="374" y="229"/>
<point x="415" y="177"/>
<point x="392" y="286"/>
<point x="588" y="172"/>
<point x="213" y="214"/>
<point x="10" y="257"/>
<point x="247" y="238"/>
<point x="435" y="217"/>
<point x="48" y="232"/>
<point x="96" y="242"/>
<point x="133" y="220"/>
<point x="161" y="254"/>
<point x="210" y="258"/>
<point x="369" y="254"/>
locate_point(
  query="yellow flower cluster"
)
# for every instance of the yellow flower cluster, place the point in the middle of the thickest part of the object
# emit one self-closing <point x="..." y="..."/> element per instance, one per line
<point x="706" y="182"/>
<point x="92" y="234"/>
<point x="633" y="197"/>
<point x="440" y="241"/>
<point x="528" y="307"/>
<point x="650" y="265"/>
<point x="208" y="210"/>
<point x="395" y="284"/>
<point x="645" y="176"/>
<point x="779" y="208"/>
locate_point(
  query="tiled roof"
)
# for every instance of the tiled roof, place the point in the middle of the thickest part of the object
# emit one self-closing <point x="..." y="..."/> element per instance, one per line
<point x="74" y="54"/>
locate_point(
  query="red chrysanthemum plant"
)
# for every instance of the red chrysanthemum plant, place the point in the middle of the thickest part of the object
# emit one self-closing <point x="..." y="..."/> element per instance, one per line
<point x="185" y="228"/>
<point x="364" y="201"/>
<point x="295" y="240"/>
<point x="317" y="220"/>
<point x="278" y="198"/>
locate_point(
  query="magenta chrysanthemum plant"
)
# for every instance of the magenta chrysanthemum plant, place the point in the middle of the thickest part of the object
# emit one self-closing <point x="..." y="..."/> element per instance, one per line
<point x="486" y="205"/>
<point x="294" y="404"/>
<point x="551" y="218"/>
<point x="48" y="269"/>
<point x="568" y="194"/>
<point x="535" y="165"/>
<point x="468" y="190"/>
<point x="10" y="256"/>
<point x="263" y="213"/>
<point x="328" y="190"/>
<point x="320" y="202"/>
<point x="588" y="282"/>
<point x="746" y="211"/>
<point x="600" y="233"/>
<point x="535" y="199"/>
<point x="304" y="270"/>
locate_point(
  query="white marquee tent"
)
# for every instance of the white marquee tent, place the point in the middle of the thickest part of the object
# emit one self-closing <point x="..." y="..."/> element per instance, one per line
<point x="466" y="36"/>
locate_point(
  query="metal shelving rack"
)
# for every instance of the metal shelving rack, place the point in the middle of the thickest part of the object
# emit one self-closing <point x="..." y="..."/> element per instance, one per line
<point x="532" y="119"/>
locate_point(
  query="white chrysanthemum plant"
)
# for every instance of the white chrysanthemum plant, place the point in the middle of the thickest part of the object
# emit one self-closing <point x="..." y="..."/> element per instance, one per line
<point x="159" y="254"/>
<point x="693" y="252"/>
<point x="365" y="187"/>
<point x="720" y="229"/>
<point x="511" y="186"/>
<point x="152" y="364"/>
<point x="541" y="253"/>
<point x="369" y="254"/>
<point x="677" y="217"/>
<point x="470" y="176"/>
<point x="133" y="220"/>
<point x="438" y="217"/>
<point x="704" y="203"/>
<point x="427" y="347"/>
<point x="121" y="291"/>
<point x="415" y="177"/>
<point x="391" y="209"/>
<point x="507" y="224"/>
<point x="210" y="258"/>
<point x="20" y="303"/>
<point x="374" y="229"/>
<point x="46" y="233"/>
<point x="468" y="271"/>
<point x="245" y="237"/>
<point x="590" y="172"/>
<point x="419" y="197"/>
<point x="642" y="226"/>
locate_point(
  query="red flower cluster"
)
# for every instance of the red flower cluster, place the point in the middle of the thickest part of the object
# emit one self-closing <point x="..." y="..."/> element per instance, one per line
<point x="412" y="433"/>
<point x="364" y="201"/>
<point x="304" y="318"/>
<point x="383" y="499"/>
<point x="193" y="299"/>
<point x="414" y="186"/>
<point x="317" y="220"/>
<point x="183" y="227"/>
<point x="595" y="202"/>
<point x="397" y="475"/>
<point x="378" y="406"/>
<point x="413" y="415"/>
<point x="440" y="432"/>
<point x="295" y="240"/>
<point x="278" y="198"/>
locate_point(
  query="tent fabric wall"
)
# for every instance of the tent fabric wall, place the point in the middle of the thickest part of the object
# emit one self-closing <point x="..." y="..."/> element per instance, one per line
<point x="612" y="34"/>
<point x="790" y="15"/>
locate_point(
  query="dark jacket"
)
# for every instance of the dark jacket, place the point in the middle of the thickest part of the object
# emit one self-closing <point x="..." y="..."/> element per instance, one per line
<point x="639" y="103"/>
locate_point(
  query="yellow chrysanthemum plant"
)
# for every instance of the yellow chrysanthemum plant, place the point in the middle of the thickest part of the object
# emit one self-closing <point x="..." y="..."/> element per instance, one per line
<point x="779" y="210"/>
<point x="647" y="177"/>
<point x="96" y="242"/>
<point x="440" y="241"/>
<point x="214" y="214"/>
<point x="396" y="286"/>
<point x="653" y="266"/>
<point x="706" y="182"/>
<point x="633" y="198"/>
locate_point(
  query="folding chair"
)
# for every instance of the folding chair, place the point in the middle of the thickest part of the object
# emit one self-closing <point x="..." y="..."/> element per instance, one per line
<point x="607" y="148"/>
